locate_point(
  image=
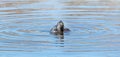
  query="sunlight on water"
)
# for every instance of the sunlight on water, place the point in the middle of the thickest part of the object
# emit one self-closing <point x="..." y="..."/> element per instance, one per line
<point x="25" y="26"/>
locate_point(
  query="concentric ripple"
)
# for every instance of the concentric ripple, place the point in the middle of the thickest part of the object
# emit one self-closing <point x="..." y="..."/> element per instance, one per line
<point x="25" y="26"/>
<point x="94" y="27"/>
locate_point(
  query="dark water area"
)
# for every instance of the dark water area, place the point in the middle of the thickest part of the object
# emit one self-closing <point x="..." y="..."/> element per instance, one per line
<point x="25" y="26"/>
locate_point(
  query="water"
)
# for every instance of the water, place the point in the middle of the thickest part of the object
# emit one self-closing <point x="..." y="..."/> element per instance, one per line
<point x="25" y="26"/>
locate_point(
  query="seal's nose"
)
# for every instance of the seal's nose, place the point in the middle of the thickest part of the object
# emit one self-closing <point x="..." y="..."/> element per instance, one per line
<point x="60" y="27"/>
<point x="61" y="23"/>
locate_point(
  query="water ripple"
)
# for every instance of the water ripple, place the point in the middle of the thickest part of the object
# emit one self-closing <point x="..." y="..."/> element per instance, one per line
<point x="94" y="25"/>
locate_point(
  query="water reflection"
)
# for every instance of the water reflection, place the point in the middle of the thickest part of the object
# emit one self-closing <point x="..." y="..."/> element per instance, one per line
<point x="60" y="41"/>
<point x="25" y="26"/>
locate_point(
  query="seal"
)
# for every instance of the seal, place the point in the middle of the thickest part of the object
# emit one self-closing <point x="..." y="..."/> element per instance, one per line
<point x="59" y="29"/>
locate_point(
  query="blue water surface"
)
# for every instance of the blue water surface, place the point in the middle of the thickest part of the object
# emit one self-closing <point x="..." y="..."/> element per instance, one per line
<point x="25" y="26"/>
